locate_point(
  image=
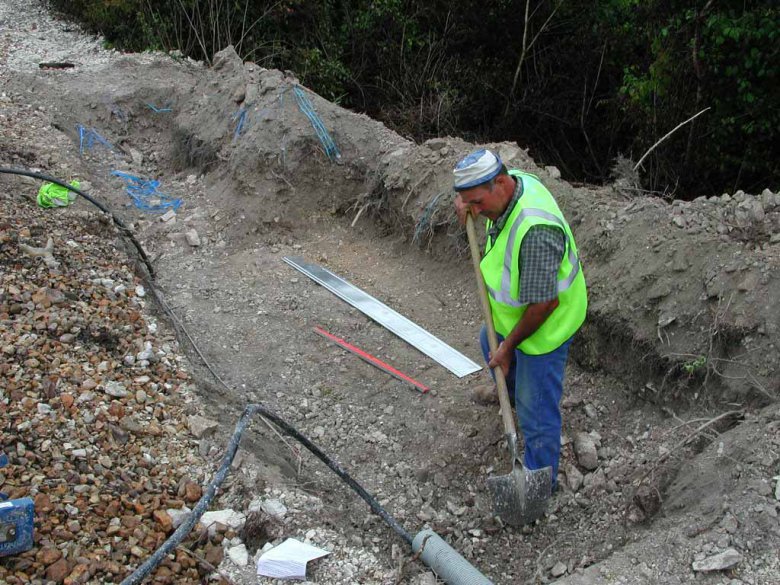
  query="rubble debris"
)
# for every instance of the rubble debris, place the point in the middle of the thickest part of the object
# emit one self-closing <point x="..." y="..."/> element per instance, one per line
<point x="193" y="239"/>
<point x="585" y="448"/>
<point x="200" y="426"/>
<point x="558" y="570"/>
<point x="45" y="253"/>
<point x="229" y="518"/>
<point x="720" y="562"/>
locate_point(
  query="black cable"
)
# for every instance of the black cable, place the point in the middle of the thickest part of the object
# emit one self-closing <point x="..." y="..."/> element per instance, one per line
<point x="184" y="529"/>
<point x="119" y="223"/>
<point x="336" y="468"/>
<point x="181" y="532"/>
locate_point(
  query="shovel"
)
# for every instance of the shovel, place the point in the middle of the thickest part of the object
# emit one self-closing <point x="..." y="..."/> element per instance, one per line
<point x="521" y="496"/>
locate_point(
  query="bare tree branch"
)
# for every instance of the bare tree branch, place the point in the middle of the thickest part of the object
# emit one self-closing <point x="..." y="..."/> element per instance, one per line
<point x="526" y="47"/>
<point x="668" y="134"/>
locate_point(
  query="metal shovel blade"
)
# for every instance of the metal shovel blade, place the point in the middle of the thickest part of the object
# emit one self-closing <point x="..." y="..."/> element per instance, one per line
<point x="521" y="496"/>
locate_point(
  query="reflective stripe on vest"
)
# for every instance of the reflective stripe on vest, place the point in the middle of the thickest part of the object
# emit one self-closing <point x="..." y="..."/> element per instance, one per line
<point x="504" y="295"/>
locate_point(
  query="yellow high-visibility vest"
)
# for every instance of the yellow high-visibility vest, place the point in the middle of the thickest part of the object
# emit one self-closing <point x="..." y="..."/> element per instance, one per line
<point x="500" y="269"/>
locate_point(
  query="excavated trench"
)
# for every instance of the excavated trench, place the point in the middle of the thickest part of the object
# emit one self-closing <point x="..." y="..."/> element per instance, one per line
<point x="379" y="216"/>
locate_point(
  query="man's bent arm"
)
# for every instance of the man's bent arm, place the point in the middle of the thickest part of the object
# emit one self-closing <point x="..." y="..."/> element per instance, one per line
<point x="535" y="314"/>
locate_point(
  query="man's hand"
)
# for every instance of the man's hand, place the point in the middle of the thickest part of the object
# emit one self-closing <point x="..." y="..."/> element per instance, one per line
<point x="532" y="319"/>
<point x="502" y="357"/>
<point x="462" y="209"/>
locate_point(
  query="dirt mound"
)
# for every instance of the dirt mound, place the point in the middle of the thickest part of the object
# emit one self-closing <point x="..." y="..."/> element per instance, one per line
<point x="680" y="293"/>
<point x="723" y="499"/>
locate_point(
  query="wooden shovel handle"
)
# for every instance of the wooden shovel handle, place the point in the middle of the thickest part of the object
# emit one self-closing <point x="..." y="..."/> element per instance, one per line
<point x="503" y="393"/>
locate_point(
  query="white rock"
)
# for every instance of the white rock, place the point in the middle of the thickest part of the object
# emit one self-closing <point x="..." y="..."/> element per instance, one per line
<point x="425" y="579"/>
<point x="192" y="238"/>
<point x="115" y="389"/>
<point x="138" y="158"/>
<point x="595" y="481"/>
<point x="574" y="478"/>
<point x="585" y="448"/>
<point x="179" y="516"/>
<point x="168" y="216"/>
<point x="558" y="570"/>
<point x="239" y="555"/>
<point x="454" y="509"/>
<point x="719" y="562"/>
<point x="274" y="508"/>
<point x="228" y="517"/>
<point x="140" y="291"/>
<point x="553" y="172"/>
<point x="146" y="354"/>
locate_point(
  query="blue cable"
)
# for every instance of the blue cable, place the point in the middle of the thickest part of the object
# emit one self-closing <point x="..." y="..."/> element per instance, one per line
<point x="142" y="191"/>
<point x="425" y="218"/>
<point x="241" y="116"/>
<point x="88" y="137"/>
<point x="162" y="110"/>
<point x="305" y="105"/>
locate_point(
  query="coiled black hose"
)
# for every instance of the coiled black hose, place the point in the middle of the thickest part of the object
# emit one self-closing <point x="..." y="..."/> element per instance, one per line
<point x="119" y="223"/>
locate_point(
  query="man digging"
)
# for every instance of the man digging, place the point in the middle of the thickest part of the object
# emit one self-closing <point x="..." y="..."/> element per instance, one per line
<point x="537" y="296"/>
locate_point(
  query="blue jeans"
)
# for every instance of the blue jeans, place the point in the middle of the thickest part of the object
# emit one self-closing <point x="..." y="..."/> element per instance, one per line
<point x="536" y="384"/>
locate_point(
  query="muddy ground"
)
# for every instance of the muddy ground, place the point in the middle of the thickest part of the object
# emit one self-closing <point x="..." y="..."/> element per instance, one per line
<point x="682" y="330"/>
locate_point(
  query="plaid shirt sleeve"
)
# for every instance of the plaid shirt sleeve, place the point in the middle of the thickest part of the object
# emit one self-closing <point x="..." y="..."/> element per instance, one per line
<point x="541" y="254"/>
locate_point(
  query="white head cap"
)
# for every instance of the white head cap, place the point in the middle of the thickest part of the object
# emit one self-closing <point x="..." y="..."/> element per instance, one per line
<point x="476" y="168"/>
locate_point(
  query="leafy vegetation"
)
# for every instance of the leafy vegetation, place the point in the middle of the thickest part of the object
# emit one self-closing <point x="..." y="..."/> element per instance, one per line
<point x="580" y="83"/>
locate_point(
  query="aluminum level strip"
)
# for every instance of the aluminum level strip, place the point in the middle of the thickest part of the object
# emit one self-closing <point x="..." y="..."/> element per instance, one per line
<point x="433" y="347"/>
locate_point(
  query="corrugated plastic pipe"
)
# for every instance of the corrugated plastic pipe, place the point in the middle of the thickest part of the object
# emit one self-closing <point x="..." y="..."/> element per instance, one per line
<point x="446" y="562"/>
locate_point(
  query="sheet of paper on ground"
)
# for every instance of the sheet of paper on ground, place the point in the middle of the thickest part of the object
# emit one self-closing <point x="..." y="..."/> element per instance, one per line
<point x="288" y="560"/>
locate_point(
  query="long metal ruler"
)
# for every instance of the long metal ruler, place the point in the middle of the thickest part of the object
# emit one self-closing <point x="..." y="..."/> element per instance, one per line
<point x="413" y="334"/>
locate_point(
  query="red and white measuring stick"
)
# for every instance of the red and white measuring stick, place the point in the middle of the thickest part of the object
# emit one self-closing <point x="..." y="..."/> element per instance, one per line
<point x="374" y="361"/>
